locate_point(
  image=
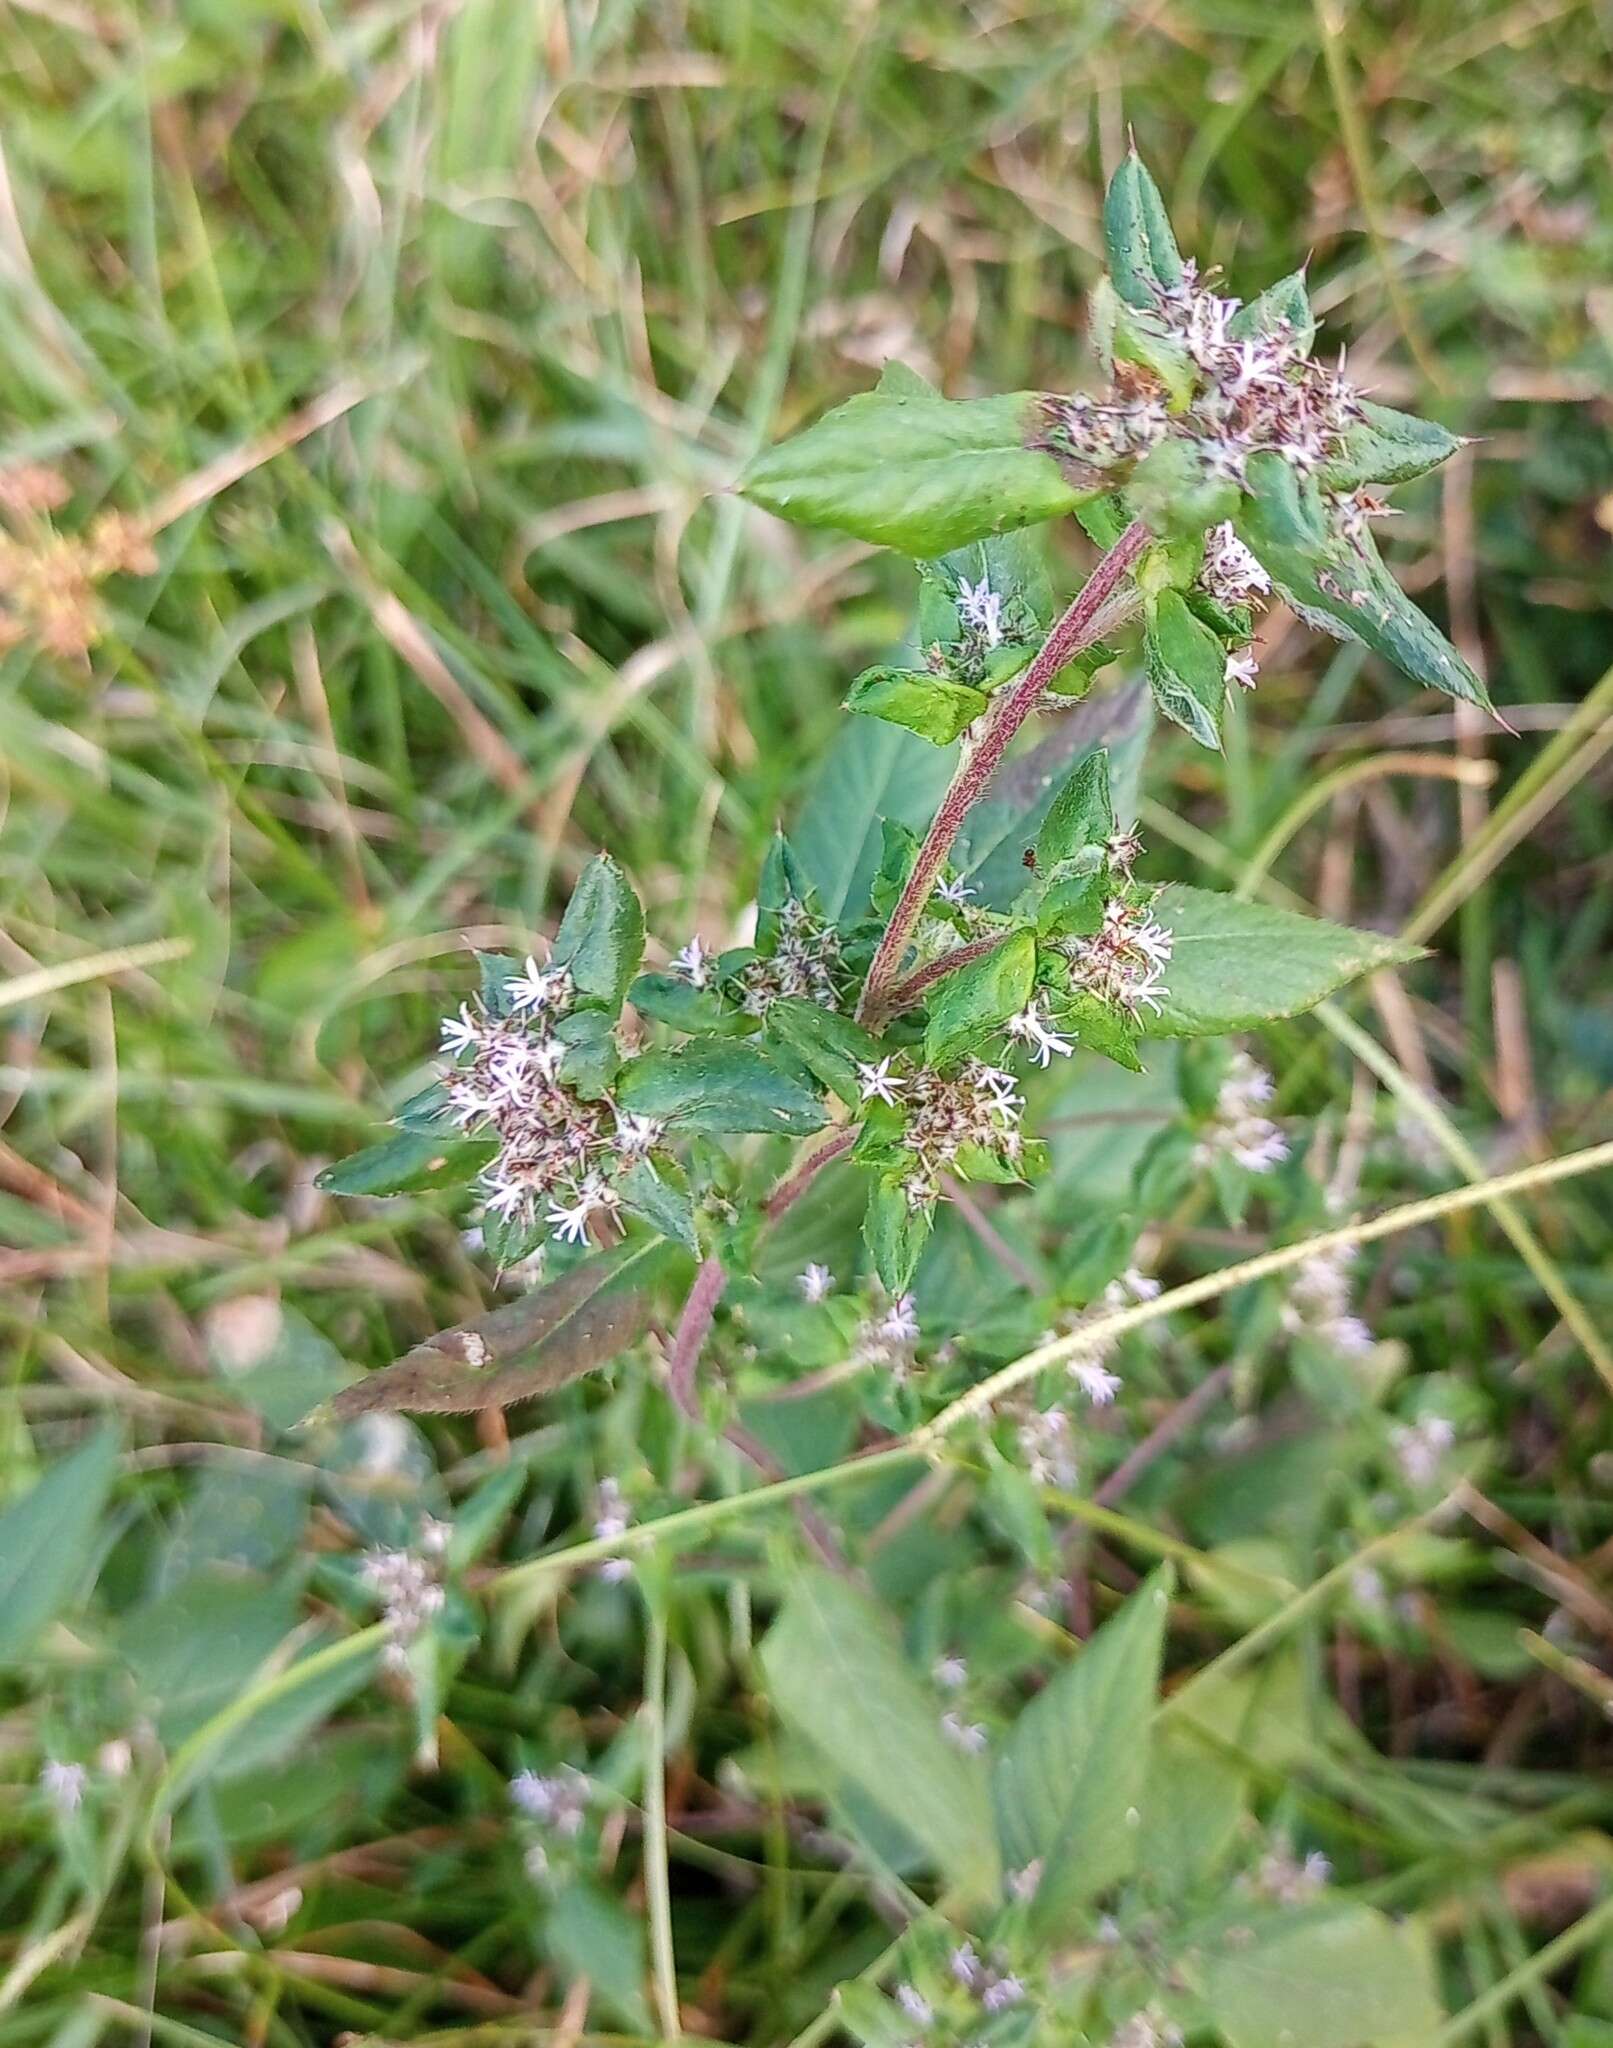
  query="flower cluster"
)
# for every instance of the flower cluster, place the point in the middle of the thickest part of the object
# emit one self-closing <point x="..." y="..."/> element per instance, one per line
<point x="409" y="1590"/>
<point x="1419" y="1449"/>
<point x="805" y="962"/>
<point x="557" y="1802"/>
<point x="1122" y="962"/>
<point x="1238" y="1129"/>
<point x="887" y="1338"/>
<point x="1287" y="1879"/>
<point x="557" y="1154"/>
<point x="49" y="582"/>
<point x="1318" y="1303"/>
<point x="944" y="1110"/>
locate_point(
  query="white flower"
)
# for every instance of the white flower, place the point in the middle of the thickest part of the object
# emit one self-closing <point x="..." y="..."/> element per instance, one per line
<point x="968" y="1736"/>
<point x="956" y="892"/>
<point x="815" y="1282"/>
<point x="63" y="1784"/>
<point x="1236" y="1126"/>
<point x="611" y="1518"/>
<point x="1420" y="1448"/>
<point x="981" y="607"/>
<point x="114" y="1758"/>
<point x="461" y="1033"/>
<point x="569" y="1221"/>
<point x="878" y="1084"/>
<point x="1095" y="1380"/>
<point x="538" y="987"/>
<point x="1131" y="1286"/>
<point x="915" y="2006"/>
<point x="950" y="1673"/>
<point x="636" y="1135"/>
<point x="1001" y="1993"/>
<point x="1243" y="668"/>
<point x="691" y="963"/>
<point x="1044" y="1440"/>
<point x="1032" y="1029"/>
<point x="899" y="1325"/>
<point x="1231" y="574"/>
<point x="965" y="1964"/>
<point x="558" y="1800"/>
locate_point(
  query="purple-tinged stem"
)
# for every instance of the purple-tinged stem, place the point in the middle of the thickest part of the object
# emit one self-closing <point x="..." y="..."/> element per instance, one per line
<point x="1080" y="626"/>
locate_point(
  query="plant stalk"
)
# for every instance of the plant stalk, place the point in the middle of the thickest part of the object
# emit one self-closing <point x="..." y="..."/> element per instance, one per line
<point x="1079" y="628"/>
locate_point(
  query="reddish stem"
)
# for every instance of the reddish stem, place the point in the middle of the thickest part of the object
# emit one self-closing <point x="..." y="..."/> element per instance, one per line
<point x="796" y="1182"/>
<point x="906" y="993"/>
<point x="1080" y="626"/>
<point x="690" y="1336"/>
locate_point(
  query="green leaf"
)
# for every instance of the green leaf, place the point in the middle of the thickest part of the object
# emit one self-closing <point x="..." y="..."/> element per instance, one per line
<point x="195" y="1649"/>
<point x="601" y="936"/>
<point x="406" y="1164"/>
<point x="658" y="1198"/>
<point x="933" y="706"/>
<point x="895" y="1233"/>
<point x="1234" y="965"/>
<point x="1083" y="812"/>
<point x="782" y="881"/>
<point x="1098" y="1027"/>
<point x="1388" y="447"/>
<point x="1284" y="303"/>
<point x="591" y="1934"/>
<point x="534" y="1345"/>
<point x="870" y="2019"/>
<point x="871" y="772"/>
<point x="1137" y="234"/>
<point x="1175" y="495"/>
<point x="971" y="1003"/>
<point x="1192" y="1811"/>
<point x="593" y="1056"/>
<point x="837" y="1674"/>
<point x="906" y="468"/>
<point x="1187" y="668"/>
<point x="1337" y="1977"/>
<point x="828" y="1045"/>
<point x="1076" y="1762"/>
<point x="669" y="999"/>
<point x="719" y="1086"/>
<point x="46" y="1538"/>
<point x="1342" y="587"/>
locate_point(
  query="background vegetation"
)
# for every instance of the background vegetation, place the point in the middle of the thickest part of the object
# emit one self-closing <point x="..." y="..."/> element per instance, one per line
<point x="415" y="345"/>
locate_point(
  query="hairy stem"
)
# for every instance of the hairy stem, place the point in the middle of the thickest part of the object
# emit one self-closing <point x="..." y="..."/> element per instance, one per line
<point x="690" y="1335"/>
<point x="796" y="1182"/>
<point x="1080" y="626"/>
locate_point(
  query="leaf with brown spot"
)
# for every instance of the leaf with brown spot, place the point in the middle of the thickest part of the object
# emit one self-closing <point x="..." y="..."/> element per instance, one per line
<point x="542" y="1342"/>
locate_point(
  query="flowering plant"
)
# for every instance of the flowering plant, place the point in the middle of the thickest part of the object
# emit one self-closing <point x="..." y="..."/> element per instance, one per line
<point x="689" y="1147"/>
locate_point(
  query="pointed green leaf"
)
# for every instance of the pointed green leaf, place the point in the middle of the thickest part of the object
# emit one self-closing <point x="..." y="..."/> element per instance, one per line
<point x="828" y="1045"/>
<point x="657" y="1195"/>
<point x="906" y="468"/>
<point x="719" y="1086"/>
<point x="1187" y="668"/>
<point x="1137" y="234"/>
<point x="1330" y="1977"/>
<point x="1083" y="812"/>
<point x="970" y="1004"/>
<point x="46" y="1538"/>
<point x="1075" y="1765"/>
<point x="669" y="999"/>
<point x="1388" y="447"/>
<point x="837" y="1674"/>
<point x="601" y="936"/>
<point x="895" y="1232"/>
<point x="933" y="706"/>
<point x="1342" y="587"/>
<point x="1099" y="1027"/>
<point x="1234" y="965"/>
<point x="408" y="1163"/>
<point x="1283" y="304"/>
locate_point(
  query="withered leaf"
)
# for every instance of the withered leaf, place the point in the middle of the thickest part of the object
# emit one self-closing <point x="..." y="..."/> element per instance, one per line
<point x="524" y="1348"/>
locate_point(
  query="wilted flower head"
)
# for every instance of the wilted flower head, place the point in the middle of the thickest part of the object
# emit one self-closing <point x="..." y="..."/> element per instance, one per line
<point x="1122" y="963"/>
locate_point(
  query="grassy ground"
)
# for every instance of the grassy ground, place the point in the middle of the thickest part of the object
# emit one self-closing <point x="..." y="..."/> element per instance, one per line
<point x="420" y="342"/>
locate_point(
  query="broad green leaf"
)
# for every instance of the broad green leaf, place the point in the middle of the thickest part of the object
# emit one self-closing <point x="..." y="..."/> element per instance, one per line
<point x="830" y="1046"/>
<point x="1075" y="1765"/>
<point x="46" y="1538"/>
<point x="589" y="1933"/>
<point x="1083" y="812"/>
<point x="968" y="1005"/>
<point x="408" y="1163"/>
<point x="195" y="1649"/>
<point x="1137" y="234"/>
<point x="669" y="999"/>
<point x="1284" y="303"/>
<point x="837" y="1674"/>
<point x="725" y="1086"/>
<point x="871" y="772"/>
<point x="1388" y="447"/>
<point x="1338" y="1976"/>
<point x="933" y="706"/>
<point x="601" y="935"/>
<point x="534" y="1345"/>
<point x="1099" y="1027"/>
<point x="1187" y="668"/>
<point x="1234" y="965"/>
<point x="1175" y="495"/>
<point x="658" y="1197"/>
<point x="895" y="1232"/>
<point x="1342" y="587"/>
<point x="906" y="468"/>
<point x="1193" y="1807"/>
<point x="593" y="1057"/>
